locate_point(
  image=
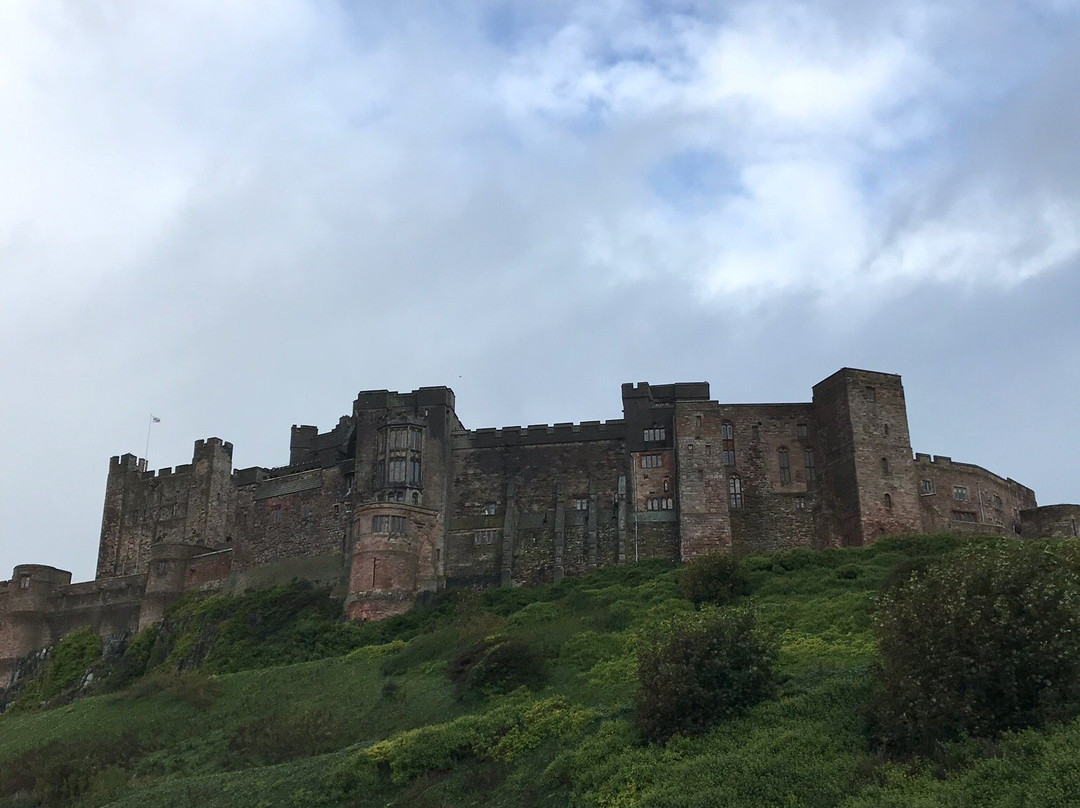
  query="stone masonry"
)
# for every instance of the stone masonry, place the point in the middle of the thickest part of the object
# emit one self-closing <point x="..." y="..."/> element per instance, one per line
<point x="399" y="500"/>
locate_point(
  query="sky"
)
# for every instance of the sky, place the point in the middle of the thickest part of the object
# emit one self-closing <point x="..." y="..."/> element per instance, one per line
<point x="235" y="216"/>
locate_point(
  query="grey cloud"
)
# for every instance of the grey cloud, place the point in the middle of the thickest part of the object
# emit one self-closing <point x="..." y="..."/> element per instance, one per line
<point x="240" y="222"/>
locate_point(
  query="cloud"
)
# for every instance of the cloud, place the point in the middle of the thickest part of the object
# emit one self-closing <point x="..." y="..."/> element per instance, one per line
<point x="239" y="214"/>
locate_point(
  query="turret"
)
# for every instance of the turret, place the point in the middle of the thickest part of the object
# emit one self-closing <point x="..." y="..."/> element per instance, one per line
<point x="869" y="480"/>
<point x="400" y="495"/>
<point x="23" y="629"/>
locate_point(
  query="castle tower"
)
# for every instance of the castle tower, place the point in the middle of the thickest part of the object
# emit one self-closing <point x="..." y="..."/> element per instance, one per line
<point x="125" y="542"/>
<point x="704" y="515"/>
<point x="210" y="493"/>
<point x="191" y="504"/>
<point x="678" y="501"/>
<point x="26" y="605"/>
<point x="400" y="497"/>
<point x="869" y="479"/>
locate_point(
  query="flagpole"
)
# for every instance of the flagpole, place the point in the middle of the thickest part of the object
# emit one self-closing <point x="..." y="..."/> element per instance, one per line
<point x="146" y="454"/>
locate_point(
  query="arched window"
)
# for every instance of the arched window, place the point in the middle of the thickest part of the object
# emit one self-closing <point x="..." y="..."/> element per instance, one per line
<point x="735" y="491"/>
<point x="785" y="465"/>
<point x="888" y="501"/>
<point x="727" y="441"/>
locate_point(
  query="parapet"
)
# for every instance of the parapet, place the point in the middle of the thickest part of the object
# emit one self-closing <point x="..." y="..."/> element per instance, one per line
<point x="119" y="464"/>
<point x="40" y="573"/>
<point x="679" y="391"/>
<point x="946" y="462"/>
<point x="422" y="397"/>
<point x="210" y="445"/>
<point x="32" y="584"/>
<point x="540" y="433"/>
<point x="250" y="476"/>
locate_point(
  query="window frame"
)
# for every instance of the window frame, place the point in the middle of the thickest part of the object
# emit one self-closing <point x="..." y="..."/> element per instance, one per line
<point x="735" y="492"/>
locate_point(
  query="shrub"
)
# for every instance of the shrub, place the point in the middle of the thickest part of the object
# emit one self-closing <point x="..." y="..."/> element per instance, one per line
<point x="713" y="578"/>
<point x="193" y="687"/>
<point x="277" y="738"/>
<point x="63" y="670"/>
<point x="978" y="644"/>
<point x="70" y="659"/>
<point x="497" y="665"/>
<point x="512" y="728"/>
<point x="704" y="667"/>
<point x="61" y="772"/>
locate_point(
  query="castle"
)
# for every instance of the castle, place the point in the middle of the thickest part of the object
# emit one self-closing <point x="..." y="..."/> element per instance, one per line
<point x="399" y="499"/>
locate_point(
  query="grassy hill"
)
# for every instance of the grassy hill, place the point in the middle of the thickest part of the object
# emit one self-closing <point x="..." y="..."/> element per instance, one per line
<point x="386" y="724"/>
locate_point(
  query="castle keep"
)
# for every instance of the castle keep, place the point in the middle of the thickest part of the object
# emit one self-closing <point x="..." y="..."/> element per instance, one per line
<point x="399" y="499"/>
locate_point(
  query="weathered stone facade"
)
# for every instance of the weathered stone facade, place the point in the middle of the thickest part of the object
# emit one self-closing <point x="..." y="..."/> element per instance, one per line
<point x="399" y="499"/>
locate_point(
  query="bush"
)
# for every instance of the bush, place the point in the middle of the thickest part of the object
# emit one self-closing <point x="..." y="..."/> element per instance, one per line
<point x="61" y="772"/>
<point x="277" y="738"/>
<point x="713" y="578"/>
<point x="705" y="667"/>
<point x="193" y="687"/>
<point x="63" y="671"/>
<point x="497" y="665"/>
<point x="978" y="644"/>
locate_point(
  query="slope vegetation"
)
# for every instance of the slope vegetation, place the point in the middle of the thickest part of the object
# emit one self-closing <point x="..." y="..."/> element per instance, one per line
<point x="510" y="697"/>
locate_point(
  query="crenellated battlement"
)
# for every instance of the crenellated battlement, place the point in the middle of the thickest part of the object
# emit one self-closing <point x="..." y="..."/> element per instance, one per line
<point x="679" y="391"/>
<point x="540" y="433"/>
<point x="417" y="399"/>
<point x="923" y="460"/>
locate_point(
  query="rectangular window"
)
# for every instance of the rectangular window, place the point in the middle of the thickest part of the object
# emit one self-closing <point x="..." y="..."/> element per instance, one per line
<point x="485" y="537"/>
<point x="388" y="524"/>
<point x="800" y="430"/>
<point x="656" y="434"/>
<point x="414" y="471"/>
<point x="960" y="493"/>
<point x="24" y="582"/>
<point x="488" y="509"/>
<point x="729" y="457"/>
<point x="926" y="487"/>
<point x="811" y="465"/>
<point x="870" y="394"/>
<point x="399" y="438"/>
<point x="785" y="467"/>
<point x="963" y="516"/>
<point x="652" y="461"/>
<point x="697" y="421"/>
<point x="396" y="470"/>
<point x="581" y="504"/>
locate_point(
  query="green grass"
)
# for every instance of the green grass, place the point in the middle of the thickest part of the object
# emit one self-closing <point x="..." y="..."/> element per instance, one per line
<point x="382" y="724"/>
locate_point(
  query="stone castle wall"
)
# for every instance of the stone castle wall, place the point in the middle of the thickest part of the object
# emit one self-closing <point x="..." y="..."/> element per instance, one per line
<point x="399" y="499"/>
